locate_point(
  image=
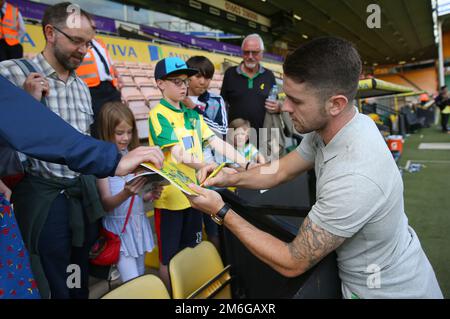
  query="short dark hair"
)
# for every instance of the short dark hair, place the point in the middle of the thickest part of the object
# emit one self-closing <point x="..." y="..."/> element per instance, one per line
<point x="330" y="65"/>
<point x="57" y="15"/>
<point x="443" y="87"/>
<point x="202" y="64"/>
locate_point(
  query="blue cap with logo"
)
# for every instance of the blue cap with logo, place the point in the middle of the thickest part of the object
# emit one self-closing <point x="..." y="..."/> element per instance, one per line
<point x="172" y="66"/>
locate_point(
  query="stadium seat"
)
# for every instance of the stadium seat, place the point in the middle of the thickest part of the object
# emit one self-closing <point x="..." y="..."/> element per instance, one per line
<point x="118" y="64"/>
<point x="138" y="72"/>
<point x="198" y="273"/>
<point x="131" y="93"/>
<point x="152" y="258"/>
<point x="132" y="65"/>
<point x="153" y="102"/>
<point x="143" y="287"/>
<point x="146" y="66"/>
<point x="125" y="80"/>
<point x="122" y="71"/>
<point x="138" y="107"/>
<point x="142" y="81"/>
<point x="151" y="93"/>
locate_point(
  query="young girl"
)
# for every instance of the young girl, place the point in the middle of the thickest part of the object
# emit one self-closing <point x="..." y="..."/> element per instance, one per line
<point x="117" y="125"/>
<point x="240" y="133"/>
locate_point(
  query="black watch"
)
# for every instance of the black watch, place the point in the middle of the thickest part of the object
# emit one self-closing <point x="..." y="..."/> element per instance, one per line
<point x="220" y="215"/>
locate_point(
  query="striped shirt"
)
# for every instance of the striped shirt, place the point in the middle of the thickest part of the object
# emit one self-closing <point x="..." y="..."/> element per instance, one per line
<point x="212" y="107"/>
<point x="70" y="100"/>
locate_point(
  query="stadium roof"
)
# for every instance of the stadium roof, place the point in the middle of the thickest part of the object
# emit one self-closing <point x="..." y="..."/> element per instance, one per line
<point x="405" y="33"/>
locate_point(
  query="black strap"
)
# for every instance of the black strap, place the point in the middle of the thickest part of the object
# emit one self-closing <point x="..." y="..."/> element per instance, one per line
<point x="27" y="67"/>
<point x="102" y="58"/>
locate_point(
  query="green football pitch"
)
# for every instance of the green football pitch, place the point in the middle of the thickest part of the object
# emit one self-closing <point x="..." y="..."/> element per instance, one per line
<point x="427" y="199"/>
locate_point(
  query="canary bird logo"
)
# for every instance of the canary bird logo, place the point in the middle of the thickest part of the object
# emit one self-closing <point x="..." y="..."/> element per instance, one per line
<point x="262" y="87"/>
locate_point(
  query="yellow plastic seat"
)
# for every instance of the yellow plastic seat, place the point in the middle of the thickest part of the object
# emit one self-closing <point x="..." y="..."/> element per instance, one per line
<point x="152" y="258"/>
<point x="143" y="287"/>
<point x="199" y="273"/>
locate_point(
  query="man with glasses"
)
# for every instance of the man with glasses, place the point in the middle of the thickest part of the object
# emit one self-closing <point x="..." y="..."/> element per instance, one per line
<point x="51" y="200"/>
<point x="246" y="87"/>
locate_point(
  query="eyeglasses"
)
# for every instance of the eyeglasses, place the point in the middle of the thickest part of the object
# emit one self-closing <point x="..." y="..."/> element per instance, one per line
<point x="179" y="82"/>
<point x="76" y="42"/>
<point x="251" y="52"/>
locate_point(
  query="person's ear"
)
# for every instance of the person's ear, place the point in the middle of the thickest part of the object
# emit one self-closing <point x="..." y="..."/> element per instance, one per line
<point x="337" y="103"/>
<point x="49" y="33"/>
<point x="160" y="84"/>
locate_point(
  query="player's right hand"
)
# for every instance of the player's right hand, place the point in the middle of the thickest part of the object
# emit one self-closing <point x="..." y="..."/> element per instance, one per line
<point x="220" y="180"/>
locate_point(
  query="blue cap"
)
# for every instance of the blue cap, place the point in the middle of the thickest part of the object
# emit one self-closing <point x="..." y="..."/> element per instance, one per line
<point x="172" y="66"/>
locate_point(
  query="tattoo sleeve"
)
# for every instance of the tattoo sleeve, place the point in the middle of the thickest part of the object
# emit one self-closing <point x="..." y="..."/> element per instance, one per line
<point x="313" y="243"/>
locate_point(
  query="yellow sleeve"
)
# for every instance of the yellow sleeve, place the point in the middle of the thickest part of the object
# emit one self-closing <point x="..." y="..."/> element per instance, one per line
<point x="207" y="133"/>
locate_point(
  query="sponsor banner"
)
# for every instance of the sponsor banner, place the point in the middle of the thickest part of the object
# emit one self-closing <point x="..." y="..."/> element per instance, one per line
<point x="137" y="50"/>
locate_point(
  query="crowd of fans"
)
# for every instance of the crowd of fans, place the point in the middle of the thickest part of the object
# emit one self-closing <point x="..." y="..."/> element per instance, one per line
<point x="74" y="77"/>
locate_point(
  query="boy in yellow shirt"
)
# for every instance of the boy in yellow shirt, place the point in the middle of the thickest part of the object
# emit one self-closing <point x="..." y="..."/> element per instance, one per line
<point x="181" y="133"/>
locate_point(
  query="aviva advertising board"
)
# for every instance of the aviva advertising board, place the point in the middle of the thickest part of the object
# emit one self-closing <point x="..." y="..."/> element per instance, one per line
<point x="136" y="50"/>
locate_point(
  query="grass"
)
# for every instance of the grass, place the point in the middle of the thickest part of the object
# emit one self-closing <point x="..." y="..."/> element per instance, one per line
<point x="427" y="199"/>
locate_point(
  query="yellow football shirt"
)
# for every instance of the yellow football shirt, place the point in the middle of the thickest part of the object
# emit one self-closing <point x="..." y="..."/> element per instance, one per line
<point x="169" y="126"/>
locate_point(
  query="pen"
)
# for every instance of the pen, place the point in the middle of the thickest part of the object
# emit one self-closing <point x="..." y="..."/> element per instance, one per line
<point x="214" y="173"/>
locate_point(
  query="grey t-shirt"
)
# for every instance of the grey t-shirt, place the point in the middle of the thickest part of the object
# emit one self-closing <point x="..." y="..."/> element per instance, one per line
<point x="360" y="197"/>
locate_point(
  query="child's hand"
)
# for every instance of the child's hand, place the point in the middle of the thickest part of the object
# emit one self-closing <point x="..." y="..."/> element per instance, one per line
<point x="155" y="193"/>
<point x="135" y="186"/>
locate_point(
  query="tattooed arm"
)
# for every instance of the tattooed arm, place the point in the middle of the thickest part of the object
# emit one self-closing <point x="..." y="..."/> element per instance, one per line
<point x="311" y="244"/>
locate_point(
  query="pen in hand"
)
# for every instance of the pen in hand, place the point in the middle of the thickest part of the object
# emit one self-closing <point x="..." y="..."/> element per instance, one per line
<point x="214" y="173"/>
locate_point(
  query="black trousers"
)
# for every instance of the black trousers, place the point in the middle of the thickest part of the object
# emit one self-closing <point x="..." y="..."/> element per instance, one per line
<point x="444" y="122"/>
<point x="59" y="258"/>
<point x="8" y="52"/>
<point x="104" y="92"/>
